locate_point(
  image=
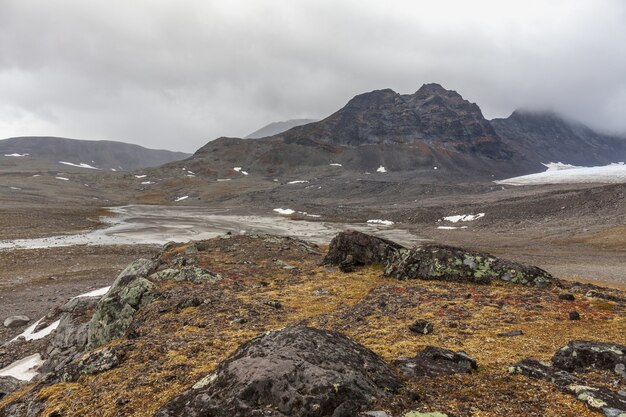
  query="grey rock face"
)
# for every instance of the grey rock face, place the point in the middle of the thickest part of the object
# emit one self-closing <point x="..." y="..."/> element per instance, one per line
<point x="115" y="311"/>
<point x="294" y="371"/>
<point x="353" y="248"/>
<point x="433" y="361"/>
<point x="16" y="321"/>
<point x="8" y="384"/>
<point x="70" y="338"/>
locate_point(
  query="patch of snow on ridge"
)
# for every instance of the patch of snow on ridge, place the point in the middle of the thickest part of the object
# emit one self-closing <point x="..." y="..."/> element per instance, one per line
<point x="607" y="174"/>
<point x="81" y="165"/>
<point x="141" y="176"/>
<point x="451" y="227"/>
<point x="31" y="334"/>
<point x="18" y="155"/>
<point x="24" y="369"/>
<point x="381" y="169"/>
<point x="146" y="182"/>
<point x="62" y="178"/>
<point x="382" y="222"/>
<point x="223" y="179"/>
<point x="182" y="198"/>
<point x="297" y="182"/>
<point x="238" y="169"/>
<point x="335" y="165"/>
<point x="559" y="166"/>
<point x="464" y="217"/>
<point x="284" y="211"/>
<point x="95" y="293"/>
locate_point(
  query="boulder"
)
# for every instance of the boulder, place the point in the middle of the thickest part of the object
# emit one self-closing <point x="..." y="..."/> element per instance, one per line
<point x="581" y="355"/>
<point x="422" y="327"/>
<point x="8" y="384"/>
<point x="295" y="371"/>
<point x="99" y="361"/>
<point x="447" y="263"/>
<point x="115" y="311"/>
<point x="352" y="249"/>
<point x="433" y="361"/>
<point x="16" y="321"/>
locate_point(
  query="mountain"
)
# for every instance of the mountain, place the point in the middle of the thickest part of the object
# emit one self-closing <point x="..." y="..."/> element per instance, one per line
<point x="101" y="154"/>
<point x="432" y="129"/>
<point x="278" y="127"/>
<point x="548" y="137"/>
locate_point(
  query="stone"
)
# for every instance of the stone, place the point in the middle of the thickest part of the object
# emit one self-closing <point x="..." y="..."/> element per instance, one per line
<point x="433" y="361"/>
<point x="8" y="384"/>
<point x="193" y="274"/>
<point x="582" y="355"/>
<point x="16" y="321"/>
<point x="448" y="263"/>
<point x="115" y="311"/>
<point x="295" y="371"/>
<point x="511" y="333"/>
<point x="567" y="297"/>
<point x="274" y="304"/>
<point x="98" y="361"/>
<point x="351" y="249"/>
<point x="421" y="327"/>
<point x="418" y="414"/>
<point x="573" y="315"/>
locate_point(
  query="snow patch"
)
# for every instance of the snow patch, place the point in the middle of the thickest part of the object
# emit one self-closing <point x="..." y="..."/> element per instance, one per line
<point x="24" y="369"/>
<point x="381" y="169"/>
<point x="31" y="334"/>
<point x="382" y="222"/>
<point x="81" y="165"/>
<point x="182" y="198"/>
<point x="297" y="182"/>
<point x="336" y="165"/>
<point x="95" y="293"/>
<point x="464" y="217"/>
<point x="141" y="176"/>
<point x="223" y="179"/>
<point x="284" y="211"/>
<point x="62" y="178"/>
<point x="451" y="227"/>
<point x="15" y="188"/>
<point x="146" y="182"/>
<point x="18" y="155"/>
<point x="558" y="173"/>
<point x="238" y="169"/>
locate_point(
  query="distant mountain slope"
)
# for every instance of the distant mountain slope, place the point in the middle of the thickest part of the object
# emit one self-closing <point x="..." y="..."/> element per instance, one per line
<point x="431" y="130"/>
<point x="101" y="154"/>
<point x="547" y="137"/>
<point x="278" y="127"/>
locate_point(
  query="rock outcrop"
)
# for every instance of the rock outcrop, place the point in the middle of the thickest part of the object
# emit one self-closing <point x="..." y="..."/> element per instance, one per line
<point x="8" y="384"/>
<point x="582" y="355"/>
<point x="294" y="371"/>
<point x="431" y="262"/>
<point x="115" y="311"/>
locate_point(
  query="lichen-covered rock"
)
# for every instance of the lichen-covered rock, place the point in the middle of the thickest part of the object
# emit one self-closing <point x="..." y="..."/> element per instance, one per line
<point x="438" y="262"/>
<point x="611" y="404"/>
<point x="581" y="355"/>
<point x="115" y="310"/>
<point x="98" y="361"/>
<point x="351" y="249"/>
<point x="418" y="414"/>
<point x="70" y="338"/>
<point x="422" y="327"/>
<point x="187" y="273"/>
<point x="433" y="361"/>
<point x="296" y="371"/>
<point x="8" y="384"/>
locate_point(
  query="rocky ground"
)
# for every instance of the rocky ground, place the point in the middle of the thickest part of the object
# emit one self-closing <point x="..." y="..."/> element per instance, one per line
<point x="172" y="332"/>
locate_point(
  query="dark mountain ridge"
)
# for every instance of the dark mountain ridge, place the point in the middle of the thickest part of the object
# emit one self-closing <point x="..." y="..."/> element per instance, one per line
<point x="102" y="154"/>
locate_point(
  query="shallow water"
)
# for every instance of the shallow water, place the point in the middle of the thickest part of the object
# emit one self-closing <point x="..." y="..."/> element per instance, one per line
<point x="137" y="224"/>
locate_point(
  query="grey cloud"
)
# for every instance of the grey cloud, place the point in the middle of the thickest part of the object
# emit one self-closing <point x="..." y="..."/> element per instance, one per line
<point x="177" y="74"/>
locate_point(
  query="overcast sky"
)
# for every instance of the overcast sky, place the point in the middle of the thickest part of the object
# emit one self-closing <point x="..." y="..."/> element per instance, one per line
<point x="176" y="74"/>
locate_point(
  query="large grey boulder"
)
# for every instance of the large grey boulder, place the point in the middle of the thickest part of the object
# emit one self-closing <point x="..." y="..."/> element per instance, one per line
<point x="116" y="309"/>
<point x="8" y="384"/>
<point x="351" y="249"/>
<point x="296" y="371"/>
<point x="16" y="321"/>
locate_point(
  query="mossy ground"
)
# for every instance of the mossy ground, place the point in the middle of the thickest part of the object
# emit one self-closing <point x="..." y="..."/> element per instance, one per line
<point x="168" y="349"/>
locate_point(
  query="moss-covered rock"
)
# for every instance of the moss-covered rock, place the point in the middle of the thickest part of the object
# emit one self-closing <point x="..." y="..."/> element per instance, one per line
<point x="115" y="311"/>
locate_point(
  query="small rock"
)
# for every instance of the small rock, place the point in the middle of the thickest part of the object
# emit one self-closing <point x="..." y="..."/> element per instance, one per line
<point x="620" y="369"/>
<point x="376" y="414"/>
<point x="274" y="303"/>
<point x="284" y="265"/>
<point x="574" y="315"/>
<point x="567" y="297"/>
<point x="16" y="321"/>
<point x="512" y="333"/>
<point x="320" y="291"/>
<point x="239" y="320"/>
<point x="418" y="414"/>
<point x="422" y="327"/>
<point x="433" y="361"/>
